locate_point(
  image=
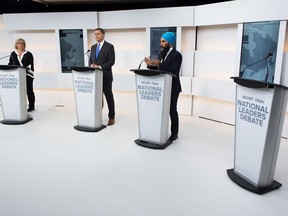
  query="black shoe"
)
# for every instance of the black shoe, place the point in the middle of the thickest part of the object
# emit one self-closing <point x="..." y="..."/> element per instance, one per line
<point x="30" y="109"/>
<point x="173" y="137"/>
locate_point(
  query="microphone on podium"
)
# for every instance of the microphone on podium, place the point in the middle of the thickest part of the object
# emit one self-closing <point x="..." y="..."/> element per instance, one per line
<point x="87" y="52"/>
<point x="154" y="56"/>
<point x="242" y="72"/>
<point x="4" y="57"/>
<point x="142" y="62"/>
<point x="11" y="57"/>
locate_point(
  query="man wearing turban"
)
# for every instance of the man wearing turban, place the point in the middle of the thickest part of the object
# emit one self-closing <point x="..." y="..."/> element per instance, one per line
<point x="170" y="60"/>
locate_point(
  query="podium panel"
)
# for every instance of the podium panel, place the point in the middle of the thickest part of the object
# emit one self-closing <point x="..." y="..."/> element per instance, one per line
<point x="259" y="124"/>
<point x="153" y="90"/>
<point x="88" y="87"/>
<point x="13" y="94"/>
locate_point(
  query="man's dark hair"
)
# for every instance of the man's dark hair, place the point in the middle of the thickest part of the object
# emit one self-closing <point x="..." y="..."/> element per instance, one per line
<point x="101" y="30"/>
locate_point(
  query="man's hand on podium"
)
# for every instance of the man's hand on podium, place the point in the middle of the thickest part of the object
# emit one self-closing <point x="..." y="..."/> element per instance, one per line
<point x="95" y="66"/>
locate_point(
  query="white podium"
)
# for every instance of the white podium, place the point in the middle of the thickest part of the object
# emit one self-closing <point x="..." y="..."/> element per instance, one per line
<point x="88" y="87"/>
<point x="153" y="88"/>
<point x="13" y="94"/>
<point x="260" y="114"/>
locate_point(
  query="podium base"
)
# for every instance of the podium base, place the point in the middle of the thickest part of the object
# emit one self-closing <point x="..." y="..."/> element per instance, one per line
<point x="248" y="186"/>
<point x="86" y="129"/>
<point x="9" y="122"/>
<point x="153" y="145"/>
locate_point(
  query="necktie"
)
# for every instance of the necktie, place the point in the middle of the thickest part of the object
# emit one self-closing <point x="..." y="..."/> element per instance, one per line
<point x="97" y="50"/>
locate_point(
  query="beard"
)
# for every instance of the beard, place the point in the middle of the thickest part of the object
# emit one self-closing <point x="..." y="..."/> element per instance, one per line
<point x="164" y="51"/>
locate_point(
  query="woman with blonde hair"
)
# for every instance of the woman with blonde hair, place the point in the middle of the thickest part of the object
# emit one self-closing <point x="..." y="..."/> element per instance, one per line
<point x="25" y="58"/>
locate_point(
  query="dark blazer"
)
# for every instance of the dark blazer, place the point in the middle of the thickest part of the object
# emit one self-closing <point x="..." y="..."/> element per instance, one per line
<point x="173" y="64"/>
<point x="106" y="59"/>
<point x="27" y="61"/>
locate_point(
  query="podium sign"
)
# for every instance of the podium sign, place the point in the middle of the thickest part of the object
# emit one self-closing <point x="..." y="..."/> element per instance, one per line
<point x="13" y="94"/>
<point x="252" y="118"/>
<point x="153" y="89"/>
<point x="88" y="87"/>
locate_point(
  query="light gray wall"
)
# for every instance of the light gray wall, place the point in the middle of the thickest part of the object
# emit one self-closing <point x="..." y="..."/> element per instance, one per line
<point x="208" y="90"/>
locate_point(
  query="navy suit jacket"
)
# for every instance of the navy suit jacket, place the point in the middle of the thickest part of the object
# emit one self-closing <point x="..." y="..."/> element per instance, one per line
<point x="106" y="59"/>
<point x="173" y="64"/>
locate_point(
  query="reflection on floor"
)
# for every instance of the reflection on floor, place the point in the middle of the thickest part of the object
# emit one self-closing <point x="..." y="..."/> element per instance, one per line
<point x="47" y="168"/>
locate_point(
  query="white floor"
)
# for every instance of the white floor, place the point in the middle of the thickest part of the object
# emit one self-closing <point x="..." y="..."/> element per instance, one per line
<point x="47" y="168"/>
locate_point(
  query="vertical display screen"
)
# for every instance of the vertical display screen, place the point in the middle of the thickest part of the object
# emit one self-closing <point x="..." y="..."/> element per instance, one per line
<point x="259" y="51"/>
<point x="71" y="49"/>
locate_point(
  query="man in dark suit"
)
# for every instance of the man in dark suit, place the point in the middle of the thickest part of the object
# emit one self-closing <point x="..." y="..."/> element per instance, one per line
<point x="170" y="60"/>
<point x="103" y="56"/>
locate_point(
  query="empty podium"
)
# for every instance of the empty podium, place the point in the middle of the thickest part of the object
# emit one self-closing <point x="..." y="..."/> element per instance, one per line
<point x="260" y="106"/>
<point x="13" y="94"/>
<point x="153" y="89"/>
<point x="88" y="88"/>
<point x="260" y="114"/>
